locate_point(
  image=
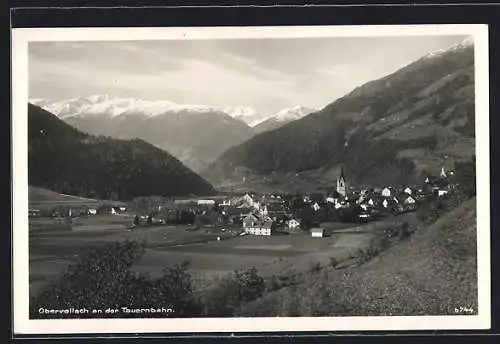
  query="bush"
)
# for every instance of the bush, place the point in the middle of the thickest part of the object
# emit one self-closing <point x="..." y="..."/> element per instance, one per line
<point x="232" y="291"/>
<point x="102" y="279"/>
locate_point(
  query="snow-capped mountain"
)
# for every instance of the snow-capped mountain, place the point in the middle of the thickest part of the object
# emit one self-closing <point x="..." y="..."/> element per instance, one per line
<point x="194" y="134"/>
<point x="112" y="106"/>
<point x="465" y="43"/>
<point x="246" y="114"/>
<point x="283" y="117"/>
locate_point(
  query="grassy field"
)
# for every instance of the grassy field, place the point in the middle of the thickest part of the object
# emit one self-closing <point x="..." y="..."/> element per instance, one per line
<point x="52" y="251"/>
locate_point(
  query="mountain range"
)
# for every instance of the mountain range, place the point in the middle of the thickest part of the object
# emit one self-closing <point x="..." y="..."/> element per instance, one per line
<point x="388" y="131"/>
<point x="283" y="117"/>
<point x="195" y="134"/>
<point x="66" y="160"/>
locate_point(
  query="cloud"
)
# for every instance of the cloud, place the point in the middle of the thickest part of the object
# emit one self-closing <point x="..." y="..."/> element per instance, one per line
<point x="267" y="74"/>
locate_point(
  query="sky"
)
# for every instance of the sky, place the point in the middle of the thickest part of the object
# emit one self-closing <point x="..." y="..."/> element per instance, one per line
<point x="266" y="74"/>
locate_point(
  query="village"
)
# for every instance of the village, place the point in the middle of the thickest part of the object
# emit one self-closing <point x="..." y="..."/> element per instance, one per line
<point x="271" y="213"/>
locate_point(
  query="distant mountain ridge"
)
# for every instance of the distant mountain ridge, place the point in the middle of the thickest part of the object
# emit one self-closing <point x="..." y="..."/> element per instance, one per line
<point x="283" y="117"/>
<point x="195" y="134"/>
<point x="68" y="161"/>
<point x="387" y="131"/>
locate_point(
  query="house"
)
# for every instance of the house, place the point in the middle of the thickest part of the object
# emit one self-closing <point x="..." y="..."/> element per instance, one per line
<point x="293" y="223"/>
<point x="263" y="211"/>
<point x="443" y="173"/>
<point x="225" y="203"/>
<point x="331" y="200"/>
<point x="259" y="227"/>
<point x="386" y="192"/>
<point x="316" y="207"/>
<point x="317" y="232"/>
<point x="409" y="200"/>
<point x="408" y="191"/>
<point x="442" y="193"/>
<point x="361" y="199"/>
<point x="76" y="212"/>
<point x="249" y="221"/>
<point x="248" y="200"/>
<point x="107" y="210"/>
<point x="91" y="211"/>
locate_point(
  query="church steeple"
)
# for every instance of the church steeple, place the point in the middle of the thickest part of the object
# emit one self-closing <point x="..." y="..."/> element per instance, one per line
<point x="341" y="186"/>
<point x="341" y="177"/>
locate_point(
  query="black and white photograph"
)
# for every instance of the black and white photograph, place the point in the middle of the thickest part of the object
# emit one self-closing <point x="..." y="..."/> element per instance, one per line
<point x="193" y="179"/>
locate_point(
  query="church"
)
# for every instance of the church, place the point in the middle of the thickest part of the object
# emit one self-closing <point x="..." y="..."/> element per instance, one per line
<point x="341" y="184"/>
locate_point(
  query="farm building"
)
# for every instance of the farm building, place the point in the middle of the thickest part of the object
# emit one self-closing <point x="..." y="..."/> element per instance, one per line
<point x="317" y="232"/>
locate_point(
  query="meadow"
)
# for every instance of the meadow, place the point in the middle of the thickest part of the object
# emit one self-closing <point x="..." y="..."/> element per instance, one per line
<point x="211" y="251"/>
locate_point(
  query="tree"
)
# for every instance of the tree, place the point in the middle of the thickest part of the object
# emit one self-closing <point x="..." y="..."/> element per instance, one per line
<point x="102" y="279"/>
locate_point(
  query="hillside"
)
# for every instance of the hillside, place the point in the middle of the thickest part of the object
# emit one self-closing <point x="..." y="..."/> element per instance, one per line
<point x="65" y="160"/>
<point x="283" y="117"/>
<point x="390" y="130"/>
<point x="40" y="195"/>
<point x="431" y="273"/>
<point x="194" y="134"/>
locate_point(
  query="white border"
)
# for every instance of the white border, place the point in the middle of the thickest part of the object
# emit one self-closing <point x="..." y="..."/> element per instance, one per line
<point x="22" y="324"/>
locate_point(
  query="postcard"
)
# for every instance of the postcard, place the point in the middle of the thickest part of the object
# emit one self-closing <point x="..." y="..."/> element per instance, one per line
<point x="242" y="179"/>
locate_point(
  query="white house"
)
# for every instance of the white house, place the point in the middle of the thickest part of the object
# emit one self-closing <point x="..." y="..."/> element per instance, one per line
<point x="330" y="200"/>
<point x="408" y="191"/>
<point x="260" y="227"/>
<point x="386" y="192"/>
<point x="248" y="200"/>
<point x="442" y="193"/>
<point x="293" y="224"/>
<point x="316" y="207"/>
<point x="409" y="200"/>
<point x="371" y="202"/>
<point x="385" y="203"/>
<point x="364" y="207"/>
<point x="92" y="211"/>
<point x="317" y="232"/>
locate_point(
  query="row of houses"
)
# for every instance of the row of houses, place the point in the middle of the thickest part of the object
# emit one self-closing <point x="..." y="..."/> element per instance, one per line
<point x="77" y="211"/>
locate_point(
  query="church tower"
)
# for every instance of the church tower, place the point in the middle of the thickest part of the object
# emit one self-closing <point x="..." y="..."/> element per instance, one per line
<point x="341" y="186"/>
